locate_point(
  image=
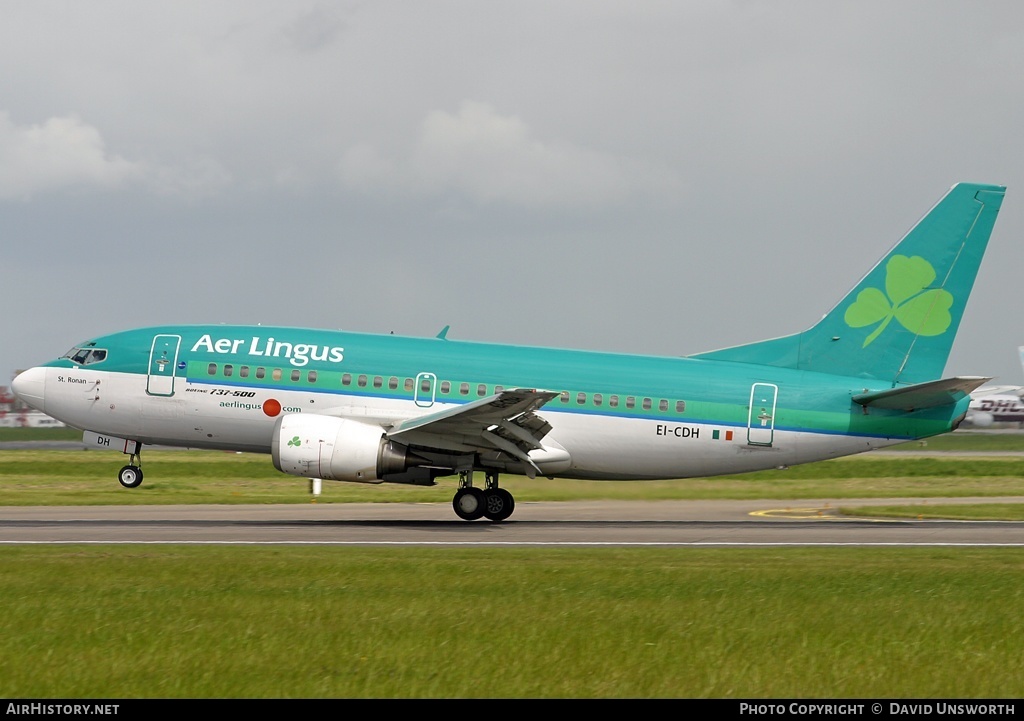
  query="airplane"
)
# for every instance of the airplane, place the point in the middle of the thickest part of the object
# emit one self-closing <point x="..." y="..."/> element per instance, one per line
<point x="369" y="408"/>
<point x="997" y="404"/>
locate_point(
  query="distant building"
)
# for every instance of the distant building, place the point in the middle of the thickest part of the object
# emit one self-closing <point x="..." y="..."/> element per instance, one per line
<point x="15" y="414"/>
<point x="28" y="419"/>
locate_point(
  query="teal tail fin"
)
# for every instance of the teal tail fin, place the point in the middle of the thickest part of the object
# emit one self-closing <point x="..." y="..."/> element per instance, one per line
<point x="899" y="322"/>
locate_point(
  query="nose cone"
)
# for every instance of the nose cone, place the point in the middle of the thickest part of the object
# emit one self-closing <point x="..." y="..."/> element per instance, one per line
<point x="28" y="386"/>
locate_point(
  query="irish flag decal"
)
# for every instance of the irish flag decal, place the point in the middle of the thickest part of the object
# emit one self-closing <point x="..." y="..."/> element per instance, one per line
<point x="717" y="435"/>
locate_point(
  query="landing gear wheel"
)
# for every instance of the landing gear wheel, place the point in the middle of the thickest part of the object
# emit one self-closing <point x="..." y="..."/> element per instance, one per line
<point x="130" y="476"/>
<point x="469" y="503"/>
<point x="498" y="504"/>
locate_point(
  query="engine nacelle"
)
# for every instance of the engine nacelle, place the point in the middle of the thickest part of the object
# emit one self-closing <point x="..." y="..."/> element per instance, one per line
<point x="980" y="419"/>
<point x="314" y="446"/>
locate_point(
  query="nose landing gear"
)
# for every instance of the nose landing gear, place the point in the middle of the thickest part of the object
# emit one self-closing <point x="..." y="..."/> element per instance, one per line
<point x="130" y="476"/>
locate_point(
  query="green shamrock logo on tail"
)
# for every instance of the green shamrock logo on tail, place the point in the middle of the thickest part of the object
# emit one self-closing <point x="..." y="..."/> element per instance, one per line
<point x="906" y="298"/>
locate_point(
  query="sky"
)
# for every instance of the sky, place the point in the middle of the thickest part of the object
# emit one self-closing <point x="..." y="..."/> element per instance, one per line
<point x="649" y="176"/>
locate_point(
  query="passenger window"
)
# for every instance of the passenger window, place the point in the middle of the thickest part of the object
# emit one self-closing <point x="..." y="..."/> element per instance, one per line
<point x="276" y="374"/>
<point x="425" y="384"/>
<point x="663" y="405"/>
<point x="464" y="389"/>
<point x="446" y="387"/>
<point x="680" y="406"/>
<point x="581" y="398"/>
<point x="598" y="399"/>
<point x="378" y="382"/>
<point x="228" y="370"/>
<point x="311" y="377"/>
<point x="393" y="383"/>
<point x="361" y="381"/>
<point x="647" y="404"/>
<point x="630" y="402"/>
<point x="409" y="384"/>
<point x="211" y="369"/>
<point x="243" y="372"/>
<point x="296" y="375"/>
<point x="564" y="397"/>
<point x="613" y="401"/>
<point x="346" y="379"/>
<point x="499" y="389"/>
<point x="481" y="390"/>
<point x="261" y="372"/>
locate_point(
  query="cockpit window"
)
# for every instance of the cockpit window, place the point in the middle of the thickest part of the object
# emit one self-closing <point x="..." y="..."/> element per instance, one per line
<point x="85" y="356"/>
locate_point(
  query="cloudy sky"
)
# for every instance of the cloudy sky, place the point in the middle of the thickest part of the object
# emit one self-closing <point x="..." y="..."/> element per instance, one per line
<point x="647" y="176"/>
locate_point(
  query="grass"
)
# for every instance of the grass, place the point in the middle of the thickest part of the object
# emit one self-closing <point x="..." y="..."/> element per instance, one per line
<point x="301" y="622"/>
<point x="182" y="621"/>
<point x="967" y="440"/>
<point x="46" y="477"/>
<point x="8" y="435"/>
<point x="956" y="512"/>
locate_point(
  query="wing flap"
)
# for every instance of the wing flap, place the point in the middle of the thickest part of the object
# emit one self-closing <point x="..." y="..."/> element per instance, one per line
<point x="504" y="421"/>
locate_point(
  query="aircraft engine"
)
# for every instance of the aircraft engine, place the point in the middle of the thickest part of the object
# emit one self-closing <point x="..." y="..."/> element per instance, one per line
<point x="314" y="446"/>
<point x="982" y="420"/>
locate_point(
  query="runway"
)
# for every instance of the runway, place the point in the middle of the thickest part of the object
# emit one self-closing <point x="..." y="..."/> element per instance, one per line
<point x="590" y="523"/>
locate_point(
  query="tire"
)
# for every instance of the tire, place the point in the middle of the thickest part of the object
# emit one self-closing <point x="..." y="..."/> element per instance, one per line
<point x="469" y="504"/>
<point x="130" y="476"/>
<point x="498" y="504"/>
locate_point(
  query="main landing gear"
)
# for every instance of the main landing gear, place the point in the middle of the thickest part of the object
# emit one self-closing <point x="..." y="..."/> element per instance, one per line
<point x="130" y="476"/>
<point x="490" y="502"/>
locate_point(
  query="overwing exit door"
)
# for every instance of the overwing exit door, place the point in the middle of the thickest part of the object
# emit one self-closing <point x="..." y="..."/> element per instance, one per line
<point x="426" y="387"/>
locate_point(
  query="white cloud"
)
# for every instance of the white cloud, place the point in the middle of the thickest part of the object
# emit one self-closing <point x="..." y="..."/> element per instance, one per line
<point x="66" y="153"/>
<point x="62" y="152"/>
<point x="493" y="158"/>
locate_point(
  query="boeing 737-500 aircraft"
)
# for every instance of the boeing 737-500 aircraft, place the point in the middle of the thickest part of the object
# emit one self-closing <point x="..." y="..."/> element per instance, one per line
<point x="383" y="408"/>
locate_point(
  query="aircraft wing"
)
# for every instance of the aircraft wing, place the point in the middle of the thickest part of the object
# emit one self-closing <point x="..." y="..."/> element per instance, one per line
<point x="505" y="421"/>
<point x="922" y="395"/>
<point x="997" y="390"/>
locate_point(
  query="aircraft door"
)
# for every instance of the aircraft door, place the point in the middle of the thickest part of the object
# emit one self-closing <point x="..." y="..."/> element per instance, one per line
<point x="163" y="363"/>
<point x="761" y="417"/>
<point x="426" y="387"/>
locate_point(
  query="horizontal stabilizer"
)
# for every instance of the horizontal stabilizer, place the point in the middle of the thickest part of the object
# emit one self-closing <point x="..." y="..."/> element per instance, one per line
<point x="922" y="395"/>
